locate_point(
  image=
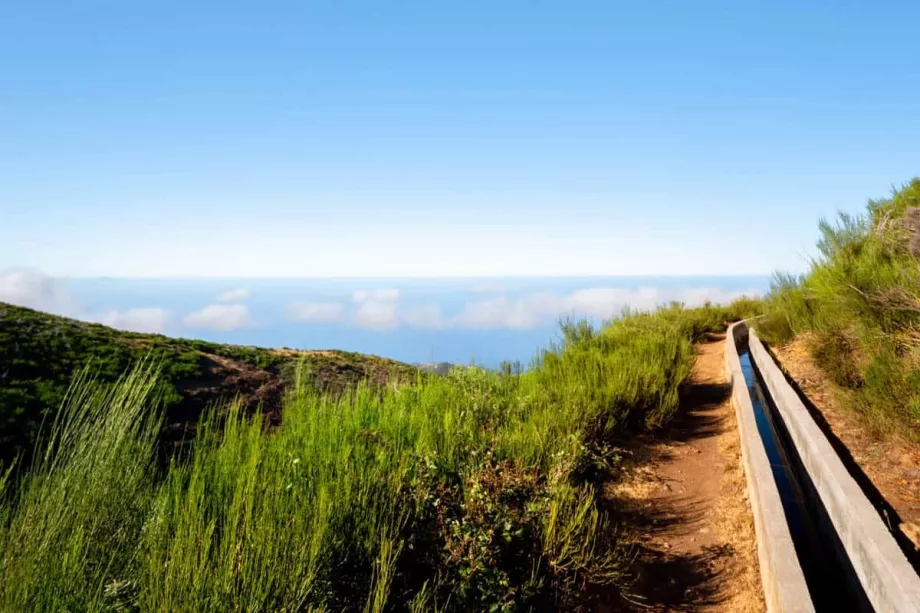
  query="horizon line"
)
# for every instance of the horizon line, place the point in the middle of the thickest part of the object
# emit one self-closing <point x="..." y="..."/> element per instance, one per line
<point x="407" y="278"/>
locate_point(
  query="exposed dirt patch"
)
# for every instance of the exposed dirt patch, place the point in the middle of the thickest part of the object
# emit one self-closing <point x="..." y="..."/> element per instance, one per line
<point x="888" y="469"/>
<point x="683" y="503"/>
<point x="224" y="380"/>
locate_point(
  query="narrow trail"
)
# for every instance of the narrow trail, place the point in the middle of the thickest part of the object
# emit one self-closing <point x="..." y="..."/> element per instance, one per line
<point x="684" y="506"/>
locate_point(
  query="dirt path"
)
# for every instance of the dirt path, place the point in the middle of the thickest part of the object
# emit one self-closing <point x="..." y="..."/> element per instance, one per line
<point x="685" y="506"/>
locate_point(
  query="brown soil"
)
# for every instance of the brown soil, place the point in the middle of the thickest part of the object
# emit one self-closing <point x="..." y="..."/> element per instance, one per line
<point x="889" y="469"/>
<point x="684" y="504"/>
<point x="224" y="380"/>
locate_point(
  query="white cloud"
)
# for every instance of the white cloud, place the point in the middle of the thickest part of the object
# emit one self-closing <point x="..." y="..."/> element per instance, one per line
<point x="698" y="295"/>
<point x="606" y="302"/>
<point x="377" y="315"/>
<point x="221" y="317"/>
<point x="380" y="295"/>
<point x="314" y="311"/>
<point x="37" y="291"/>
<point x="234" y="295"/>
<point x="521" y="314"/>
<point x="428" y="317"/>
<point x="482" y="314"/>
<point x="532" y="310"/>
<point x="151" y="319"/>
<point x="377" y="309"/>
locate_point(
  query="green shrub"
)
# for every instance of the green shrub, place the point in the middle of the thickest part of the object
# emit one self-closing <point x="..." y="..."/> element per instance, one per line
<point x="860" y="304"/>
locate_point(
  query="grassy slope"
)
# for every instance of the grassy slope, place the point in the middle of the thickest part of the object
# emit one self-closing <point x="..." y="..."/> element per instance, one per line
<point x="41" y="353"/>
<point x="859" y="309"/>
<point x="474" y="491"/>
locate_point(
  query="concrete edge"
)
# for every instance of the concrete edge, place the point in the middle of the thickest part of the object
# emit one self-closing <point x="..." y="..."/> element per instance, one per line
<point x="781" y="574"/>
<point x="888" y="579"/>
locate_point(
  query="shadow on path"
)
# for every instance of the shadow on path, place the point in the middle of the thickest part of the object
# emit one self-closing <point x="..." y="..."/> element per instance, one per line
<point x="678" y="562"/>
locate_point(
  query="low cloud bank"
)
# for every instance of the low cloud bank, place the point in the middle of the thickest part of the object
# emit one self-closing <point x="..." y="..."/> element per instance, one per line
<point x="35" y="290"/>
<point x="382" y="309"/>
<point x="489" y="308"/>
<point x="152" y="320"/>
<point x="378" y="315"/>
<point x="220" y="317"/>
<point x="377" y="295"/>
<point x="529" y="311"/>
<point x="426" y="317"/>
<point x="234" y="295"/>
<point x="320" y="312"/>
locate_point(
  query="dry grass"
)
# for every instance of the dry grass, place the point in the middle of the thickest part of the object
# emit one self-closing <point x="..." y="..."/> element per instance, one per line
<point x="889" y="458"/>
<point x="733" y="522"/>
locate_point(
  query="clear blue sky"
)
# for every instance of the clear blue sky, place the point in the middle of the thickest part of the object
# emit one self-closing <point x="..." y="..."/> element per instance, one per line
<point x="445" y="138"/>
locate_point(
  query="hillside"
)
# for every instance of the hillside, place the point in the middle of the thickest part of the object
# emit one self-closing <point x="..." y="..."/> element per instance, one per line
<point x="41" y="353"/>
<point x="479" y="490"/>
<point x="858" y="311"/>
<point x="848" y="334"/>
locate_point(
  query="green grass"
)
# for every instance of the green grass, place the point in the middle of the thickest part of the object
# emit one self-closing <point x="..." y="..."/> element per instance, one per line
<point x="473" y="491"/>
<point x="859" y="307"/>
<point x="40" y="352"/>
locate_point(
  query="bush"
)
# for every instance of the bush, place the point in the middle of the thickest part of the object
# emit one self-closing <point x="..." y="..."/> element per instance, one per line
<point x="860" y="305"/>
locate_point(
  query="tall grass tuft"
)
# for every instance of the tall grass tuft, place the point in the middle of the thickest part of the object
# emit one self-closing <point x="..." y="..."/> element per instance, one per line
<point x="71" y="526"/>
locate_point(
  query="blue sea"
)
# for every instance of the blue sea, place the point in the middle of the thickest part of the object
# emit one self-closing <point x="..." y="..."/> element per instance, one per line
<point x="484" y="321"/>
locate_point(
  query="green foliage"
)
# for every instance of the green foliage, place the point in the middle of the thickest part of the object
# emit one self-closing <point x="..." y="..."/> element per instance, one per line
<point x="462" y="492"/>
<point x="860" y="306"/>
<point x="39" y="354"/>
<point x="76" y="517"/>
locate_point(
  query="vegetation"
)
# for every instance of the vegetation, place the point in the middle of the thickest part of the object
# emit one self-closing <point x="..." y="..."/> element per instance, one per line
<point x="473" y="491"/>
<point x="39" y="353"/>
<point x="859" y="309"/>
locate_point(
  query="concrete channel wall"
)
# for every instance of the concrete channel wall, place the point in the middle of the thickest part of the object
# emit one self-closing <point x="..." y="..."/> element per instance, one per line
<point x="888" y="579"/>
<point x="785" y="590"/>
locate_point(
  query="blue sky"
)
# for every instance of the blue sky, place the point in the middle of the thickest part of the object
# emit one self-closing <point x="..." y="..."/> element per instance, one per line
<point x="403" y="139"/>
